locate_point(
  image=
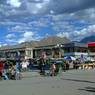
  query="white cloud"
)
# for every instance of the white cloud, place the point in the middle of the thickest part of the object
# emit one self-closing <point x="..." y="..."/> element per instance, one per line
<point x="14" y="3"/>
<point x="3" y="44"/>
<point x="36" y="8"/>
<point x="29" y="26"/>
<point x="0" y="45"/>
<point x="27" y="36"/>
<point x="87" y="15"/>
<point x="63" y="25"/>
<point x="10" y="36"/>
<point x="19" y="28"/>
<point x="78" y="35"/>
<point x="11" y="41"/>
<point x="63" y="34"/>
<point x="14" y="12"/>
<point x="40" y="7"/>
<point x="8" y="22"/>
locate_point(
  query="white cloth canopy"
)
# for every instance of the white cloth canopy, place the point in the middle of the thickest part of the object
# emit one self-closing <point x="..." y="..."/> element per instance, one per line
<point x="69" y="58"/>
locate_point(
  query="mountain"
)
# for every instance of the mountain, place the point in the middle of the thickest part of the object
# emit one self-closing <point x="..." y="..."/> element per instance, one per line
<point x="88" y="39"/>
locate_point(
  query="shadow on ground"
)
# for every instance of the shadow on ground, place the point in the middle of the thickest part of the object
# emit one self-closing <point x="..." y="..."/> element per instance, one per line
<point x="88" y="89"/>
<point x="77" y="80"/>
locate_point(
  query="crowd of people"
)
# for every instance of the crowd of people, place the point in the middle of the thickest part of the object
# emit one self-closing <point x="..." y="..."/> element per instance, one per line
<point x="11" y="70"/>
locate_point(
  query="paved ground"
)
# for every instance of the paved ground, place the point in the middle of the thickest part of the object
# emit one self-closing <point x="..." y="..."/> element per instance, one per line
<point x="73" y="82"/>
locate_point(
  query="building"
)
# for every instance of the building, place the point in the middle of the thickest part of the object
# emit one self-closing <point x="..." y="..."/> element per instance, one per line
<point x="58" y="47"/>
<point x="23" y="51"/>
<point x="51" y="47"/>
<point x="91" y="49"/>
<point x="75" y="49"/>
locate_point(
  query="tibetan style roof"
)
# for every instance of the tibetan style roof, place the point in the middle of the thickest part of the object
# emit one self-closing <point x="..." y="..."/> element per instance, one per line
<point x="75" y="44"/>
<point x="44" y="42"/>
<point x="53" y="41"/>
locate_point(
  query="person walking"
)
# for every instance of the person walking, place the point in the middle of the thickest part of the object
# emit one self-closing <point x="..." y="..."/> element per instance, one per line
<point x="52" y="69"/>
<point x="18" y="70"/>
<point x="42" y="66"/>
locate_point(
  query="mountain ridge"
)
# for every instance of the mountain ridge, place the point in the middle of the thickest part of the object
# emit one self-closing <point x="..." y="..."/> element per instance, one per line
<point x="88" y="39"/>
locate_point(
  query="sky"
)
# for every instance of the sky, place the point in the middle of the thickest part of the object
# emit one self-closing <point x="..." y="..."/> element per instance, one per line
<point x="26" y="20"/>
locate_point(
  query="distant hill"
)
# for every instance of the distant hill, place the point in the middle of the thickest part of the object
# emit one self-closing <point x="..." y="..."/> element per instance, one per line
<point x="88" y="39"/>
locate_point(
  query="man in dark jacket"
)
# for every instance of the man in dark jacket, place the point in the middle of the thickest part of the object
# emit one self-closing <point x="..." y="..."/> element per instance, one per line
<point x="42" y="66"/>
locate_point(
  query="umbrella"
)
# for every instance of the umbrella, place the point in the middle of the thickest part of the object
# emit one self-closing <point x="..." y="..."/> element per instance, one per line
<point x="69" y="58"/>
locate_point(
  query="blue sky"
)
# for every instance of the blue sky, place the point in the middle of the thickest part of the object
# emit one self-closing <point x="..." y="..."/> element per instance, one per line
<point x="26" y="20"/>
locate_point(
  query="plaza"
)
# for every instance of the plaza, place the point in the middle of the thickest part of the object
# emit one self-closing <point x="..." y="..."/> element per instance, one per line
<point x="72" y="82"/>
<point x="47" y="47"/>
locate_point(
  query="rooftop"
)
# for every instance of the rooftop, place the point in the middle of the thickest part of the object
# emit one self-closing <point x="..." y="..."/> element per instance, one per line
<point x="54" y="40"/>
